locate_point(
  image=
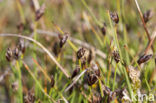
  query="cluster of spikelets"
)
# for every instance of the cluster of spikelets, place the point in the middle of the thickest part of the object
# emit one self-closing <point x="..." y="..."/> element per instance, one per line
<point x="86" y="59"/>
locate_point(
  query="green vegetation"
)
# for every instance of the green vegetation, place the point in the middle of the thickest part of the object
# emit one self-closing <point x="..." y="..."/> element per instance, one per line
<point x="77" y="51"/>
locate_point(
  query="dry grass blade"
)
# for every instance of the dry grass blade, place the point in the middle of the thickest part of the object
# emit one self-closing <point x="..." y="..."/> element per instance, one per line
<point x="40" y="45"/>
<point x="76" y="79"/>
<point x="151" y="42"/>
<point x="44" y="72"/>
<point x="144" y="24"/>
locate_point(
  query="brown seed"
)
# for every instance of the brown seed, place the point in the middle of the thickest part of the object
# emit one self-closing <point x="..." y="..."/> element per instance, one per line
<point x="75" y="72"/>
<point x="114" y="16"/>
<point x="147" y="15"/>
<point x="56" y="48"/>
<point x="16" y="53"/>
<point x="9" y="54"/>
<point x="29" y="98"/>
<point x="119" y="92"/>
<point x="90" y="57"/>
<point x="144" y="58"/>
<point x="20" y="27"/>
<point x="80" y="53"/>
<point x="21" y="46"/>
<point x="96" y="99"/>
<point x="96" y="69"/>
<point x="91" y="79"/>
<point x="110" y="94"/>
<point x="40" y="12"/>
<point x="52" y="83"/>
<point x="63" y="40"/>
<point x="103" y="29"/>
<point x="116" y="56"/>
<point x="83" y="62"/>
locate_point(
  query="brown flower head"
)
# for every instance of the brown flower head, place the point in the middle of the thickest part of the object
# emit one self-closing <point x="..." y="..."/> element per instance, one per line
<point x="9" y="54"/>
<point x="52" y="83"/>
<point x="144" y="58"/>
<point x="63" y="39"/>
<point x="147" y="15"/>
<point x="116" y="56"/>
<point x="75" y="72"/>
<point x="80" y="53"/>
<point x="114" y="16"/>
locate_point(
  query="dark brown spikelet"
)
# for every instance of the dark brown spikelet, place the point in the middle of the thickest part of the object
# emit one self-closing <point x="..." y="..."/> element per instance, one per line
<point x="9" y="54"/>
<point x="75" y="72"/>
<point x="63" y="40"/>
<point x="147" y="15"/>
<point x="52" y="83"/>
<point x="40" y="12"/>
<point x="56" y="48"/>
<point x="91" y="79"/>
<point x="114" y="16"/>
<point x="144" y="58"/>
<point x="20" y="27"/>
<point x="16" y="53"/>
<point x="96" y="99"/>
<point x="109" y="94"/>
<point x="29" y="98"/>
<point x="116" y="56"/>
<point x="21" y="46"/>
<point x="103" y="29"/>
<point x="119" y="92"/>
<point x="80" y="53"/>
<point x="96" y="69"/>
<point x="90" y="57"/>
<point x="83" y="62"/>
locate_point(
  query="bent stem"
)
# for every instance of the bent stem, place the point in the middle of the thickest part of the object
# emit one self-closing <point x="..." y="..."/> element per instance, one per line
<point x="40" y="45"/>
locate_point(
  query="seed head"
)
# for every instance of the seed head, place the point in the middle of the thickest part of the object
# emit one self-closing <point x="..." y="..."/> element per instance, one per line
<point x="91" y="79"/>
<point x="110" y="94"/>
<point x="40" y="12"/>
<point x="96" y="69"/>
<point x="56" y="48"/>
<point x="52" y="83"/>
<point x="76" y="71"/>
<point x="116" y="56"/>
<point x="80" y="53"/>
<point x="16" y="53"/>
<point x="147" y="15"/>
<point x="144" y="58"/>
<point x="21" y="46"/>
<point x="83" y="61"/>
<point x="29" y="98"/>
<point x="114" y="16"/>
<point x="9" y="54"/>
<point x="103" y="29"/>
<point x="63" y="40"/>
<point x="20" y="27"/>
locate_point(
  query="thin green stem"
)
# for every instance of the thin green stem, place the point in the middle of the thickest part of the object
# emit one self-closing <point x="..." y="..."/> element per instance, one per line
<point x="114" y="77"/>
<point x="19" y="82"/>
<point x="93" y="16"/>
<point x="117" y="43"/>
